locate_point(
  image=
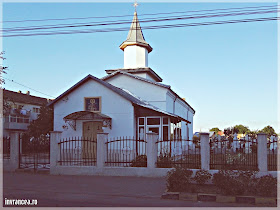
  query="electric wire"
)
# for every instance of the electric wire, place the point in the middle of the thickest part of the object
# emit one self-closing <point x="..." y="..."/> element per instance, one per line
<point x="148" y="27"/>
<point x="150" y="14"/>
<point x="142" y="21"/>
<point x="28" y="87"/>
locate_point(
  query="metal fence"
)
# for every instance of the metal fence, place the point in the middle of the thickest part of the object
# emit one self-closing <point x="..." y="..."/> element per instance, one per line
<point x="178" y="152"/>
<point x="6" y="147"/>
<point x="272" y="154"/>
<point x="34" y="152"/>
<point x="230" y="153"/>
<point x="77" y="151"/>
<point x="126" y="152"/>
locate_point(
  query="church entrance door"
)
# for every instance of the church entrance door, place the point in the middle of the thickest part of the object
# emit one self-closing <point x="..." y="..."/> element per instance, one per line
<point x="90" y="130"/>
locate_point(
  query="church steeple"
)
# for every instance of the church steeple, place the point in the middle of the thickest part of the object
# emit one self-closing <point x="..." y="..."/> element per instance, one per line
<point x="135" y="47"/>
<point x="135" y="36"/>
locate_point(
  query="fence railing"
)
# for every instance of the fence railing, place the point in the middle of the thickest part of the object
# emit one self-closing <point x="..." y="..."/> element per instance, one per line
<point x="126" y="152"/>
<point x="178" y="152"/>
<point x="6" y="147"/>
<point x="34" y="152"/>
<point x="218" y="152"/>
<point x="232" y="153"/>
<point x="272" y="154"/>
<point x="77" y="151"/>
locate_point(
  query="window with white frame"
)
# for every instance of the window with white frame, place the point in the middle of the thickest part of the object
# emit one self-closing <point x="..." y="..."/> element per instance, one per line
<point x="156" y="124"/>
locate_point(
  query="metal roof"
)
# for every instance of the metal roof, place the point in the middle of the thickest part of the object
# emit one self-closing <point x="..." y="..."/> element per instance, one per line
<point x="86" y="115"/>
<point x="134" y="76"/>
<point x="147" y="70"/>
<point x="24" y="98"/>
<point x="124" y="93"/>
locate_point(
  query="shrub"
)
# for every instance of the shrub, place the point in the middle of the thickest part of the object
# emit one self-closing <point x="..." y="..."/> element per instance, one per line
<point x="139" y="161"/>
<point x="226" y="182"/>
<point x="178" y="179"/>
<point x="202" y="176"/>
<point x="231" y="182"/>
<point x="267" y="185"/>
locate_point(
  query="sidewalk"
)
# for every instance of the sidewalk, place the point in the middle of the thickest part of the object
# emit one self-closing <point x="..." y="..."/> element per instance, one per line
<point x="95" y="191"/>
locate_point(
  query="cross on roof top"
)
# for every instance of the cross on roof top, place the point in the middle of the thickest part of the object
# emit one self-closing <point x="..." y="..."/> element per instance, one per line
<point x="135" y="4"/>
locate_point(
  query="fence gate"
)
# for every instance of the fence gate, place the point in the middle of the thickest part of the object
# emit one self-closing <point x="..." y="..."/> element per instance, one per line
<point x="34" y="152"/>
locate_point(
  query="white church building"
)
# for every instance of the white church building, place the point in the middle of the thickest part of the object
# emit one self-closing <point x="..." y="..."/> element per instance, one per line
<point x="129" y="101"/>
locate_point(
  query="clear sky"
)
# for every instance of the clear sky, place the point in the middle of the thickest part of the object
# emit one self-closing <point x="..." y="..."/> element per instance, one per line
<point x="227" y="73"/>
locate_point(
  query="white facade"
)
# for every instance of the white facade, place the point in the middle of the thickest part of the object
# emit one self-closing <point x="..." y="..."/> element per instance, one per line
<point x="135" y="57"/>
<point x="141" y="89"/>
<point x="119" y="109"/>
<point x="158" y="96"/>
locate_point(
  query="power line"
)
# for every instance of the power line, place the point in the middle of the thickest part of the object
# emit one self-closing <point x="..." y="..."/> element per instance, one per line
<point x="28" y="87"/>
<point x="115" y="16"/>
<point x="148" y="27"/>
<point x="142" y="21"/>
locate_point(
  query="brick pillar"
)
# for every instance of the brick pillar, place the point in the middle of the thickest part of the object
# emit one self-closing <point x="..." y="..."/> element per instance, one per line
<point x="262" y="152"/>
<point x="101" y="149"/>
<point x="205" y="151"/>
<point x="14" y="150"/>
<point x="151" y="149"/>
<point x="55" y="137"/>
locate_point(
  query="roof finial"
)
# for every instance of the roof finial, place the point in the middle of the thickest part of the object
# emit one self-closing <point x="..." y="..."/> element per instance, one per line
<point x="135" y="4"/>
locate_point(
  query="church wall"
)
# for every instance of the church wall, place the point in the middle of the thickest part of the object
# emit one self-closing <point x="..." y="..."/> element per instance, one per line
<point x="180" y="108"/>
<point x="154" y="94"/>
<point x="135" y="57"/>
<point x="113" y="105"/>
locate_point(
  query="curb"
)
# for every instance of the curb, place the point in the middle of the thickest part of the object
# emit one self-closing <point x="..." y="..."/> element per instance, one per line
<point x="40" y="171"/>
<point x="219" y="198"/>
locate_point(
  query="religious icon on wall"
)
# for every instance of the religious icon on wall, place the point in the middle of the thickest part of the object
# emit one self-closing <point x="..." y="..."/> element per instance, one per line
<point x="92" y="104"/>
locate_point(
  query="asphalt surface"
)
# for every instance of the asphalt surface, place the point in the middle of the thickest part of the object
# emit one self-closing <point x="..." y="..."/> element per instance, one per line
<point x="94" y="191"/>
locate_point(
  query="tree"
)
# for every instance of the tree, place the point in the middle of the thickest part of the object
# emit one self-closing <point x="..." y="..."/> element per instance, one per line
<point x="3" y="69"/>
<point x="216" y="130"/>
<point x="241" y="129"/>
<point x="43" y="124"/>
<point x="268" y="130"/>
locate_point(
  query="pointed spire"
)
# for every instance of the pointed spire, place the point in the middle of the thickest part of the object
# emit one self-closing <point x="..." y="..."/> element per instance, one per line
<point x="135" y="35"/>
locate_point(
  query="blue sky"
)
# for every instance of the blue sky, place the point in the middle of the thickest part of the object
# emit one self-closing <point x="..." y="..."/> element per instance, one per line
<point x="227" y="73"/>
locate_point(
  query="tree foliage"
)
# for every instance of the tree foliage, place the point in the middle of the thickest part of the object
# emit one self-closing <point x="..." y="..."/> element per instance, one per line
<point x="216" y="130"/>
<point x="268" y="130"/>
<point x="43" y="124"/>
<point x="241" y="129"/>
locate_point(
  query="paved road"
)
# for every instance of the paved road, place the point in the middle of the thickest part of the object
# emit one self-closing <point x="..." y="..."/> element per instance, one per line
<point x="93" y="191"/>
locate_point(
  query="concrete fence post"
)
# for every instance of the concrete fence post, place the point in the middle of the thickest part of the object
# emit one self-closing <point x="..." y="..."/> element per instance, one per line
<point x="262" y="152"/>
<point x="55" y="137"/>
<point x="151" y="150"/>
<point x="205" y="151"/>
<point x="101" y="149"/>
<point x="14" y="150"/>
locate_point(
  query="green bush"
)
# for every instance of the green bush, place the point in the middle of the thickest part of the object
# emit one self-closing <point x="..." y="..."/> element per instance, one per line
<point x="267" y="185"/>
<point x="202" y="176"/>
<point x="231" y="182"/>
<point x="178" y="179"/>
<point x="139" y="161"/>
